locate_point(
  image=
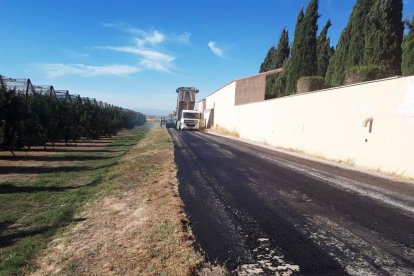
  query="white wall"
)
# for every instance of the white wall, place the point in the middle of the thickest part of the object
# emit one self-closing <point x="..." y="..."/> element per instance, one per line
<point x="329" y="123"/>
<point x="222" y="102"/>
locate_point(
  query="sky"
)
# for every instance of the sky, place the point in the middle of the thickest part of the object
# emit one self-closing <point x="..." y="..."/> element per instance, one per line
<point x="135" y="53"/>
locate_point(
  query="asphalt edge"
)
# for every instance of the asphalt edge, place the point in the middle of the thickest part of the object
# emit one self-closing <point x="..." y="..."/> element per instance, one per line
<point x="331" y="162"/>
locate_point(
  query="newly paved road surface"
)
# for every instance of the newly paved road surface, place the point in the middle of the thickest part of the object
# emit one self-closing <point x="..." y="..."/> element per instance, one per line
<point x="258" y="211"/>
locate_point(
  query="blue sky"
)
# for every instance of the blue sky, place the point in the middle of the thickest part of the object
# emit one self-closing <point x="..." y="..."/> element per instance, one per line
<point x="135" y="53"/>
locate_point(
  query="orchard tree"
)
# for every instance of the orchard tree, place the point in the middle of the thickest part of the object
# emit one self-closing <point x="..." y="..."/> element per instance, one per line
<point x="37" y="119"/>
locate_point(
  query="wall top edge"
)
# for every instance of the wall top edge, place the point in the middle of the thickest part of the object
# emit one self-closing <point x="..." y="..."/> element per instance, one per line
<point x="217" y="90"/>
<point x="295" y="95"/>
<point x="270" y="72"/>
<point x="359" y="83"/>
<point x="334" y="88"/>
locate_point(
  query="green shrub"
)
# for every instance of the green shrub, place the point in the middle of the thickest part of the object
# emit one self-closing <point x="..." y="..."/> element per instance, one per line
<point x="270" y="82"/>
<point x="275" y="86"/>
<point x="364" y="73"/>
<point x="310" y="83"/>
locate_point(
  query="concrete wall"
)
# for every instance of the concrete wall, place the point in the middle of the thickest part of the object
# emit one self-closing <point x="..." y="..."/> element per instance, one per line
<point x="330" y="123"/>
<point x="221" y="105"/>
<point x="251" y="89"/>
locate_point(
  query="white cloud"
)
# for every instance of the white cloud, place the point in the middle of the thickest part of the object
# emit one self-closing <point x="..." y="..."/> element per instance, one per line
<point x="146" y="46"/>
<point x="58" y="69"/>
<point x="76" y="54"/>
<point x="140" y="37"/>
<point x="143" y="38"/>
<point x="182" y="38"/>
<point x="215" y="49"/>
<point x="149" y="58"/>
<point x="153" y="37"/>
<point x="115" y="24"/>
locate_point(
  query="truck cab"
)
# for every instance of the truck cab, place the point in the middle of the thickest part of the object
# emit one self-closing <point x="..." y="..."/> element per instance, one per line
<point x="190" y="119"/>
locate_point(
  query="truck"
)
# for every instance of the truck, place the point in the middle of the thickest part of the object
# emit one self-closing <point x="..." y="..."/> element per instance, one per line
<point x="185" y="115"/>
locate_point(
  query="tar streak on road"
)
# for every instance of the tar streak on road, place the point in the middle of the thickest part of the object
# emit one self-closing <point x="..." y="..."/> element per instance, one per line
<point x="262" y="212"/>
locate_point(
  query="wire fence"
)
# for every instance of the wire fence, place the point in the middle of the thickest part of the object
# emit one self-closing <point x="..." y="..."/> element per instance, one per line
<point x="27" y="88"/>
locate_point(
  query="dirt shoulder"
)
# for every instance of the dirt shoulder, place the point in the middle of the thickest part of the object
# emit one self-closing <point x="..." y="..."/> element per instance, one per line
<point x="139" y="228"/>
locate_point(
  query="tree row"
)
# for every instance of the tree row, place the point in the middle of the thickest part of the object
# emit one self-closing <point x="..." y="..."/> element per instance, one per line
<point x="371" y="46"/>
<point x="38" y="119"/>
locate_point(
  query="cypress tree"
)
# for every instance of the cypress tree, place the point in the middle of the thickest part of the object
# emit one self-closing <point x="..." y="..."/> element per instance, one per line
<point x="384" y="30"/>
<point x="407" y="66"/>
<point x="304" y="58"/>
<point x="276" y="56"/>
<point x="297" y="30"/>
<point x="282" y="50"/>
<point x="280" y="55"/>
<point x="350" y="49"/>
<point x="278" y="82"/>
<point x="309" y="45"/>
<point x="267" y="62"/>
<point x="324" y="49"/>
<point x="289" y="73"/>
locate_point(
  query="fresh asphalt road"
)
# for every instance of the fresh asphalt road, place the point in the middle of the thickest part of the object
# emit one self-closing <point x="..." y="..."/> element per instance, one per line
<point x="258" y="211"/>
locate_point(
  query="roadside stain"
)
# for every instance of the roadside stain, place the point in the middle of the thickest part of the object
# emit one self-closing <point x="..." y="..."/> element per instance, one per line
<point x="268" y="262"/>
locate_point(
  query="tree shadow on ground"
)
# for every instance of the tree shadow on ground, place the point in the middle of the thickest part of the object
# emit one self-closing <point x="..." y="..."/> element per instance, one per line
<point x="75" y="145"/>
<point x="9" y="188"/>
<point x="55" y="158"/>
<point x="14" y="235"/>
<point x="38" y="170"/>
<point x="123" y="144"/>
<point x="43" y="169"/>
<point x="4" y="225"/>
<point x="73" y="150"/>
<point x="101" y="141"/>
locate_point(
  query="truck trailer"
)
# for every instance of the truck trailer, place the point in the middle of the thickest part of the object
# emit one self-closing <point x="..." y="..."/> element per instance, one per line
<point x="185" y="115"/>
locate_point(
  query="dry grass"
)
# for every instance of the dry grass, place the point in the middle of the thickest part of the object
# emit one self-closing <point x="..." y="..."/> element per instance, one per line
<point x="351" y="164"/>
<point x="21" y="165"/>
<point x="42" y="188"/>
<point x="225" y="131"/>
<point x="398" y="175"/>
<point x="139" y="229"/>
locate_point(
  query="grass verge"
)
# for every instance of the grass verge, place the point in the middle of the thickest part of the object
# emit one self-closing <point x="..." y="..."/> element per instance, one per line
<point x="139" y="228"/>
<point x="33" y="210"/>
